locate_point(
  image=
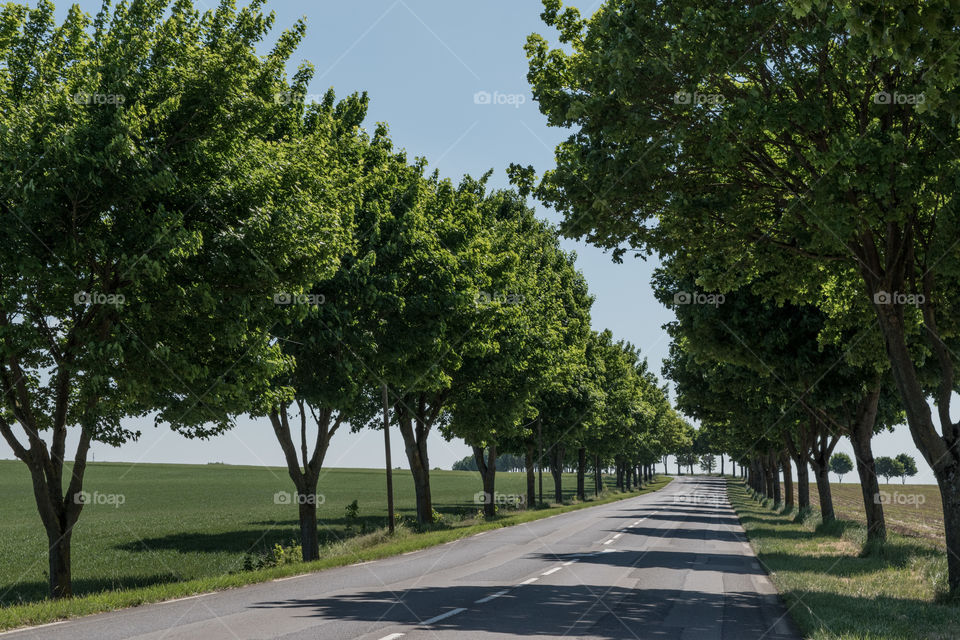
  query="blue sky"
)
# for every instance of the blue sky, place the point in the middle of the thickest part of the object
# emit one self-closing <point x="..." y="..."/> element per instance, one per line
<point x="429" y="67"/>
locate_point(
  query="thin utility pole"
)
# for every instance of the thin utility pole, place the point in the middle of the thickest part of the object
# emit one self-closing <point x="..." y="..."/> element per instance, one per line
<point x="386" y="444"/>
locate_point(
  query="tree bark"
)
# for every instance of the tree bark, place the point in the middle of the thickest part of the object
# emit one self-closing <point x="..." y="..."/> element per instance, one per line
<point x="581" y="474"/>
<point x="305" y="471"/>
<point x="415" y="430"/>
<point x="820" y="460"/>
<point x="531" y="474"/>
<point x="861" y="436"/>
<point x="597" y="475"/>
<point x="775" y="476"/>
<point x="556" y="470"/>
<point x="488" y="474"/>
<point x="787" y="481"/>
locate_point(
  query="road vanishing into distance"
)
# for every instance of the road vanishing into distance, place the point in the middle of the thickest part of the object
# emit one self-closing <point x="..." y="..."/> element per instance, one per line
<point x="671" y="564"/>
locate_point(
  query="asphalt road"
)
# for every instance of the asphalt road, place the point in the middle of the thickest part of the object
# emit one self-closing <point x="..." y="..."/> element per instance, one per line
<point x="669" y="565"/>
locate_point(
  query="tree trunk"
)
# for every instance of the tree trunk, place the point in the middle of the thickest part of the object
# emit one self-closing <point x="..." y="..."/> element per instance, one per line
<point x="531" y="475"/>
<point x="597" y="475"/>
<point x="581" y="474"/>
<point x="415" y="441"/>
<point x="787" y="481"/>
<point x="305" y="471"/>
<point x="861" y="436"/>
<point x="775" y="474"/>
<point x="803" y="487"/>
<point x="556" y="469"/>
<point x="309" y="540"/>
<point x="488" y="474"/>
<point x="823" y="491"/>
<point x="61" y="585"/>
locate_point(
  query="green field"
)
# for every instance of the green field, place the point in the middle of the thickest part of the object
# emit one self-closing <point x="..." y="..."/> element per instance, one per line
<point x="913" y="509"/>
<point x="835" y="592"/>
<point x="182" y="522"/>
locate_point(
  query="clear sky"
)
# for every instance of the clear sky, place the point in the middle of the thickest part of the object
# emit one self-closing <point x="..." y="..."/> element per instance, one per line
<point x="449" y="77"/>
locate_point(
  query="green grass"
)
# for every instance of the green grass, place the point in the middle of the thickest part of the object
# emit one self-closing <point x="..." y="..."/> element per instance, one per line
<point x="835" y="592"/>
<point x="186" y="529"/>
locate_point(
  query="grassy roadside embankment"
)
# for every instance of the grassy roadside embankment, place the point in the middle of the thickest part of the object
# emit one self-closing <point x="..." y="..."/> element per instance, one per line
<point x="834" y="592"/>
<point x="197" y="544"/>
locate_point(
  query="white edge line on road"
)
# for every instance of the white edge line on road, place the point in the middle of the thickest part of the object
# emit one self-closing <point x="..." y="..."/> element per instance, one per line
<point x="477" y="535"/>
<point x="443" y="616"/>
<point x="39" y="626"/>
<point x="554" y="570"/>
<point x="528" y="581"/>
<point x="491" y="597"/>
<point x="392" y="636"/>
<point x="208" y="593"/>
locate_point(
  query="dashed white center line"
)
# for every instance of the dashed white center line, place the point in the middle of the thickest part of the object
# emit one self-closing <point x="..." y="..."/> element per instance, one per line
<point x="608" y="541"/>
<point x="617" y="536"/>
<point x="392" y="636"/>
<point x="492" y="596"/>
<point x="568" y="563"/>
<point x="443" y="616"/>
<point x="554" y="570"/>
<point x="528" y="581"/>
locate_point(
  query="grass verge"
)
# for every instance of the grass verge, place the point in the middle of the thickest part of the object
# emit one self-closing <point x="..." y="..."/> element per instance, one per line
<point x="373" y="546"/>
<point x="835" y="590"/>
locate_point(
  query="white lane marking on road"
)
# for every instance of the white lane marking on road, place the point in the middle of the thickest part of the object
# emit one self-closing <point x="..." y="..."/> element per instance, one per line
<point x="554" y="570"/>
<point x="568" y="563"/>
<point x="480" y="534"/>
<point x="443" y="616"/>
<point x="608" y="541"/>
<point x="617" y="536"/>
<point x="493" y="596"/>
<point x="528" y="581"/>
<point x="360" y="564"/>
<point x="607" y="551"/>
<point x="392" y="636"/>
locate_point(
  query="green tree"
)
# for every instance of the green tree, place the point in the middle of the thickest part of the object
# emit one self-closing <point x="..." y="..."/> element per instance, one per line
<point x="151" y="184"/>
<point x="909" y="467"/>
<point x="889" y="468"/>
<point x="708" y="462"/>
<point x="829" y="176"/>
<point x="840" y="464"/>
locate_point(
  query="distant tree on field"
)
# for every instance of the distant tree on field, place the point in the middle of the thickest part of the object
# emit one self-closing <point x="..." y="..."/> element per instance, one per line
<point x="909" y="467"/>
<point x="708" y="462"/>
<point x="889" y="467"/>
<point x="840" y="464"/>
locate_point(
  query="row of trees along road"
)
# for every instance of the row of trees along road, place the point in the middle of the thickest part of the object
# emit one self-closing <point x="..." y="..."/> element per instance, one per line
<point x="185" y="238"/>
<point x="806" y="164"/>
